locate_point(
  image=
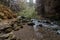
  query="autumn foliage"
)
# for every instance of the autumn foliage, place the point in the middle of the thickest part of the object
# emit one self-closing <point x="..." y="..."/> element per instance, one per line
<point x="6" y="13"/>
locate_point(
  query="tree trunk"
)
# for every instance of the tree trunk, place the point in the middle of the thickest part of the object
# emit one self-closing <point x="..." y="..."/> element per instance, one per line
<point x="48" y="8"/>
<point x="40" y="7"/>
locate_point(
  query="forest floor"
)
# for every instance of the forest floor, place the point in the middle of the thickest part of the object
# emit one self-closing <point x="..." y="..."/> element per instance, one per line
<point x="26" y="33"/>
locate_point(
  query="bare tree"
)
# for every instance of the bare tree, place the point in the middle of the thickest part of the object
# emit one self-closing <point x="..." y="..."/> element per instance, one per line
<point x="40" y="7"/>
<point x="48" y="8"/>
<point x="12" y="4"/>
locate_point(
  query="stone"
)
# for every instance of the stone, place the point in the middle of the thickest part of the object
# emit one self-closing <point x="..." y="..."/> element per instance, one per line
<point x="30" y="24"/>
<point x="11" y="37"/>
<point x="4" y="36"/>
<point x="0" y="20"/>
<point x="48" y="22"/>
<point x="7" y="30"/>
<point x="16" y="28"/>
<point x="21" y="26"/>
<point x="23" y="17"/>
<point x="58" y="32"/>
<point x="4" y="27"/>
<point x="40" y="25"/>
<point x="39" y="21"/>
<point x="24" y="21"/>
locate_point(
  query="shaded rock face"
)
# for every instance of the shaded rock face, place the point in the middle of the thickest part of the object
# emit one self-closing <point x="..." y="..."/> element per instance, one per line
<point x="49" y="8"/>
<point x="12" y="4"/>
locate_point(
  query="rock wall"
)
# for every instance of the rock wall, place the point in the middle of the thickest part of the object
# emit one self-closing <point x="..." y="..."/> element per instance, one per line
<point x="49" y="8"/>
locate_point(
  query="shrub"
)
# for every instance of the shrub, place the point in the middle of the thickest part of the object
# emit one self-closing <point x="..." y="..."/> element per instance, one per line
<point x="29" y="12"/>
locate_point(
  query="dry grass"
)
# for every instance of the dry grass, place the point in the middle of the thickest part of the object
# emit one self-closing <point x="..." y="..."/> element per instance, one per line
<point x="6" y="13"/>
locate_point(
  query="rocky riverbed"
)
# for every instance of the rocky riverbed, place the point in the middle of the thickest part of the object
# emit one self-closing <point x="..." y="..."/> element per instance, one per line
<point x="23" y="28"/>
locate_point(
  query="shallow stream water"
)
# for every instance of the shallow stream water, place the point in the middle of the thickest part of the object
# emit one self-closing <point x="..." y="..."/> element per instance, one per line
<point x="44" y="23"/>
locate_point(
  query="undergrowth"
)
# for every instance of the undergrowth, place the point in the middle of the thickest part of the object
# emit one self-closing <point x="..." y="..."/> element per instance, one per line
<point x="28" y="12"/>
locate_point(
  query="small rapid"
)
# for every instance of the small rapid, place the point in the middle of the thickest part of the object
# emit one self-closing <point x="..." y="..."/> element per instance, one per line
<point x="45" y="23"/>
